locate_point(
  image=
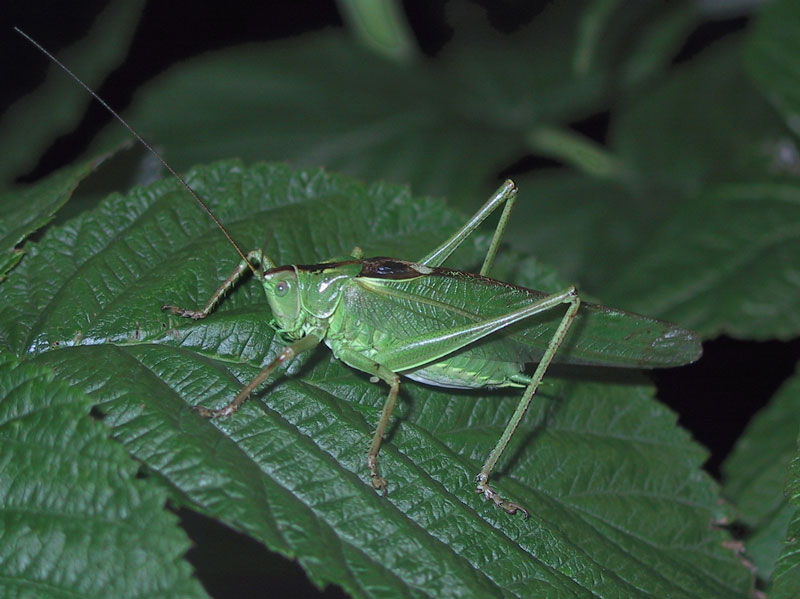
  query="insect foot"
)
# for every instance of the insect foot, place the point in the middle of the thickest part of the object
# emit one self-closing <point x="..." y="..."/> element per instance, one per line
<point x="377" y="480"/>
<point x="490" y="494"/>
<point x="219" y="413"/>
<point x="195" y="314"/>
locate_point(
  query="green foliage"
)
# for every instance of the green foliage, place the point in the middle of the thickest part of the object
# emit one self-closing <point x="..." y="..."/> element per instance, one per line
<point x="446" y="126"/>
<point x="686" y="212"/>
<point x="608" y="475"/>
<point x="31" y="124"/>
<point x="26" y="211"/>
<point x="771" y="57"/>
<point x="756" y="475"/>
<point x="75" y="521"/>
<point x="722" y="264"/>
<point x="785" y="579"/>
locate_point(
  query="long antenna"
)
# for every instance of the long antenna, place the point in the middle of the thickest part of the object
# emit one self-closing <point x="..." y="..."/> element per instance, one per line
<point x="142" y="141"/>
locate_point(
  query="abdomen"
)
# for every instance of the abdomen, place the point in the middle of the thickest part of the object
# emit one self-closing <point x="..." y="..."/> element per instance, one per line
<point x="462" y="371"/>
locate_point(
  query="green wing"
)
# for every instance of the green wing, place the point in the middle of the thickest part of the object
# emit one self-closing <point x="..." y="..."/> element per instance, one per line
<point x="446" y="298"/>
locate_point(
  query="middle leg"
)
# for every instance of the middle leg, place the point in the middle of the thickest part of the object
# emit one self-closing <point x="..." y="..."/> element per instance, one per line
<point x="378" y="372"/>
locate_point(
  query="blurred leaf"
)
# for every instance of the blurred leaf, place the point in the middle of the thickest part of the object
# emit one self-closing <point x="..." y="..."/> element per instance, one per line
<point x="74" y="521"/>
<point x="704" y="124"/>
<point x="583" y="225"/>
<point x="446" y="125"/>
<point x="381" y="26"/>
<point x="674" y="142"/>
<point x="772" y="55"/>
<point x="591" y="25"/>
<point x="30" y="125"/>
<point x="756" y="475"/>
<point x="25" y="210"/>
<point x="727" y="9"/>
<point x="657" y="44"/>
<point x="723" y="263"/>
<point x="619" y="503"/>
<point x="578" y="151"/>
<point x="641" y="37"/>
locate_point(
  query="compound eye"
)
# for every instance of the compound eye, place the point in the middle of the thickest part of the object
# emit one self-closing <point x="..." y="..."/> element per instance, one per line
<point x="282" y="288"/>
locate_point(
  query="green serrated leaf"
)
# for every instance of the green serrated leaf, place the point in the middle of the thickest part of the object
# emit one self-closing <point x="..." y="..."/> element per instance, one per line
<point x="620" y="506"/>
<point x="785" y="579"/>
<point x="8" y="261"/>
<point x="74" y="520"/>
<point x="110" y="287"/>
<point x="26" y="210"/>
<point x="723" y="263"/>
<point x="756" y="475"/>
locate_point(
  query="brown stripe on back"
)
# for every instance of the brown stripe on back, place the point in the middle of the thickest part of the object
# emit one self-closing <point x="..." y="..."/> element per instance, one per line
<point x="392" y="268"/>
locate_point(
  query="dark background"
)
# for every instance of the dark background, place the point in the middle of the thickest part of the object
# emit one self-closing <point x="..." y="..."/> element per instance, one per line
<point x="715" y="398"/>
